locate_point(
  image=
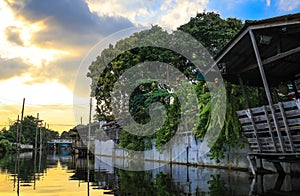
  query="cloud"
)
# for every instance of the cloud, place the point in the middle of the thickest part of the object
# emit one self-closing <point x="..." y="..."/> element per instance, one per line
<point x="67" y="30"/>
<point x="12" y="67"/>
<point x="288" y="5"/>
<point x="13" y="35"/>
<point x="169" y="13"/>
<point x="48" y="92"/>
<point x="268" y="2"/>
<point x="68" y="22"/>
<point x="63" y="70"/>
<point x="181" y="11"/>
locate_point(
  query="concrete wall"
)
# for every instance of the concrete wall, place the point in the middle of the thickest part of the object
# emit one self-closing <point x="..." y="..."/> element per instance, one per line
<point x="235" y="158"/>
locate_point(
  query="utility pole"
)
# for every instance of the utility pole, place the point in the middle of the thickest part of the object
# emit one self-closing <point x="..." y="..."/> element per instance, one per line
<point x="90" y="121"/>
<point x="41" y="139"/>
<point x="16" y="163"/>
<point x="35" y="148"/>
<point x="36" y="130"/>
<point x="22" y="115"/>
<point x="18" y="122"/>
<point x="88" y="147"/>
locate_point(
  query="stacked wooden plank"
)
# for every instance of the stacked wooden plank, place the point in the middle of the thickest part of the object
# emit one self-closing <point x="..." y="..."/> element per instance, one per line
<point x="259" y="127"/>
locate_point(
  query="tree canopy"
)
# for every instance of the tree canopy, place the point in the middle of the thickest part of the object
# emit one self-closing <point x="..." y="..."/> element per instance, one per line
<point x="28" y="131"/>
<point x="213" y="32"/>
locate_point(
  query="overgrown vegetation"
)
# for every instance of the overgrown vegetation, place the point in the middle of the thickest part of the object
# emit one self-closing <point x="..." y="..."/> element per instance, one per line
<point x="214" y="33"/>
<point x="8" y="137"/>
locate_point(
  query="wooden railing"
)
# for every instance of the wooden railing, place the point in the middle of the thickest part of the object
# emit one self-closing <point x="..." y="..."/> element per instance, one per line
<point x="259" y="127"/>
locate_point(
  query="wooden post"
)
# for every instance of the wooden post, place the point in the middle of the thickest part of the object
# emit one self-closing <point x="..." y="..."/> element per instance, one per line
<point x="41" y="139"/>
<point x="36" y="131"/>
<point x="279" y="167"/>
<point x="89" y="130"/>
<point x="295" y="90"/>
<point x="286" y="126"/>
<point x="266" y="86"/>
<point x="35" y="148"/>
<point x="18" y="130"/>
<point x="250" y="116"/>
<point x="270" y="127"/>
<point x="252" y="163"/>
<point x="22" y="115"/>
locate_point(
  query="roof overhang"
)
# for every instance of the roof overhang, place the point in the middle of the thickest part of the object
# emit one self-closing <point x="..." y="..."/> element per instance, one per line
<point x="278" y="42"/>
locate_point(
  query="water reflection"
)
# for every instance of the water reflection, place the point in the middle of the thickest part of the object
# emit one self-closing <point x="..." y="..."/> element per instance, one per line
<point x="64" y="174"/>
<point x="35" y="173"/>
<point x="190" y="180"/>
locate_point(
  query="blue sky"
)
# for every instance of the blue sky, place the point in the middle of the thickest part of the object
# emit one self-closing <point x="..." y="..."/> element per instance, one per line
<point x="254" y="9"/>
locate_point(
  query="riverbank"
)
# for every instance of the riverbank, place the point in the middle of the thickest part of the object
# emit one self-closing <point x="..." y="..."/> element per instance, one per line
<point x="182" y="179"/>
<point x="234" y="159"/>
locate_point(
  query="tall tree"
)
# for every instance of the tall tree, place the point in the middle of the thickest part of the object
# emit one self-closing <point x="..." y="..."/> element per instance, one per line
<point x="212" y="31"/>
<point x="28" y="131"/>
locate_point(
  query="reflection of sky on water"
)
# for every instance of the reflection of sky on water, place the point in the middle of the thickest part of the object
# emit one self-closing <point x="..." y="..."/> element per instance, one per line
<point x="49" y="175"/>
<point x="55" y="174"/>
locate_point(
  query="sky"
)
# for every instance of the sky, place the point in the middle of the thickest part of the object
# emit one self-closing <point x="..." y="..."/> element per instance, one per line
<point x="44" y="42"/>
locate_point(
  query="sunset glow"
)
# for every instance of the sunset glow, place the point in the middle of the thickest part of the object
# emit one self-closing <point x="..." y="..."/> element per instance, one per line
<point x="42" y="44"/>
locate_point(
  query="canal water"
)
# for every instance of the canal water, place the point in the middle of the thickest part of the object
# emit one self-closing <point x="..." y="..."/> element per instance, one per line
<point x="64" y="174"/>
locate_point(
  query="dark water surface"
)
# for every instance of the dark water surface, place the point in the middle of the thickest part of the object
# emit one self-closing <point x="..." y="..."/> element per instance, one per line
<point x="64" y="174"/>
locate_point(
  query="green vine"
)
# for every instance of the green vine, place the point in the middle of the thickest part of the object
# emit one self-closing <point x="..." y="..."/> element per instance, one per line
<point x="208" y="28"/>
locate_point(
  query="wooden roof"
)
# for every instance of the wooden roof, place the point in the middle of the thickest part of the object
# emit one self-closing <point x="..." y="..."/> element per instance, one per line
<point x="281" y="56"/>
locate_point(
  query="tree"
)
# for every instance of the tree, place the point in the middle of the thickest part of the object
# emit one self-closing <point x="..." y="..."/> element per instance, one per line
<point x="146" y="93"/>
<point x="212" y="31"/>
<point x="28" y="131"/>
<point x="5" y="146"/>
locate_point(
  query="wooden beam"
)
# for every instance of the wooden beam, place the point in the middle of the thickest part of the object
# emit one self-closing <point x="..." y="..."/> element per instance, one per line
<point x="227" y="50"/>
<point x="270" y="128"/>
<point x="266" y="86"/>
<point x="252" y="164"/>
<point x="295" y="89"/>
<point x="281" y="55"/>
<point x="272" y="59"/>
<point x="275" y="24"/>
<point x="250" y="116"/>
<point x="286" y="126"/>
<point x="278" y="167"/>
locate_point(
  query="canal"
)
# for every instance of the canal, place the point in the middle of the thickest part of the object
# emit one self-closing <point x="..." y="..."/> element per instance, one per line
<point x="64" y="174"/>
